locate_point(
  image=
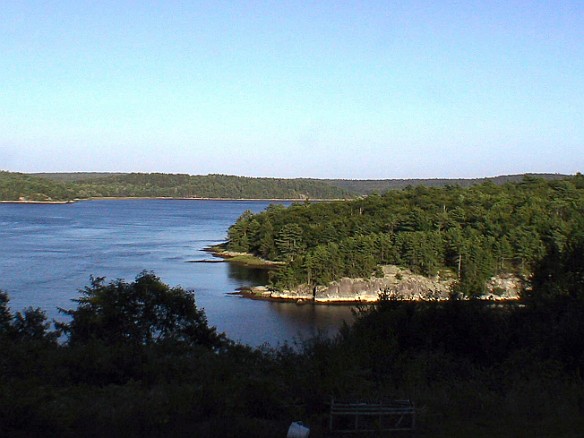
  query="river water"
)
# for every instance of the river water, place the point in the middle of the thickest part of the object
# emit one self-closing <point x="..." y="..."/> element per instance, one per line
<point x="49" y="251"/>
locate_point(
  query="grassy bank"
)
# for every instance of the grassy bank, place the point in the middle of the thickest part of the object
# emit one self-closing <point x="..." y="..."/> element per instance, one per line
<point x="242" y="258"/>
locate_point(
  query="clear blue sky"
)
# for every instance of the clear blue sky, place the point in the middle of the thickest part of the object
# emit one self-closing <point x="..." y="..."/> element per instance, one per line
<point x="340" y="89"/>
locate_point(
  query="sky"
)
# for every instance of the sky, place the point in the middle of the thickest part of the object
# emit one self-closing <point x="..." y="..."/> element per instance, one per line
<point x="321" y="89"/>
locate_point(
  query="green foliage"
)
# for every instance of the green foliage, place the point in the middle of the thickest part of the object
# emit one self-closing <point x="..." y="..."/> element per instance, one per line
<point x="5" y="315"/>
<point x="27" y="344"/>
<point x="29" y="325"/>
<point x="69" y="186"/>
<point x="238" y="235"/>
<point x="420" y="251"/>
<point x="22" y="187"/>
<point x="373" y="186"/>
<point x="560" y="274"/>
<point x="471" y="367"/>
<point x="55" y="187"/>
<point x="476" y="232"/>
<point x="144" y="312"/>
<point x="32" y="325"/>
<point x="289" y="241"/>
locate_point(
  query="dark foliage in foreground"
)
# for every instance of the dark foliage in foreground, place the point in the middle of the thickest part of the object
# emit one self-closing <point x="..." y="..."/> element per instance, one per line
<point x="473" y="368"/>
<point x="143" y="313"/>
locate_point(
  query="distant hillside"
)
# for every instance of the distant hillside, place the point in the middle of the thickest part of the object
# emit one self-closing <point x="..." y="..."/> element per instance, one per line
<point x="84" y="185"/>
<point x="208" y="186"/>
<point x="368" y="186"/>
<point x="76" y="176"/>
<point x="23" y="187"/>
<point x="64" y="187"/>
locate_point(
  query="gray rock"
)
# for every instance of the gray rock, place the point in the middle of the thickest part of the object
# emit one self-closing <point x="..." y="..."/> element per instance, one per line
<point x="401" y="284"/>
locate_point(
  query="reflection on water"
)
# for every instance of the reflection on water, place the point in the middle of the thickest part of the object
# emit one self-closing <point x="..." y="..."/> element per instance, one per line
<point x="247" y="276"/>
<point x="49" y="252"/>
<point x="310" y="319"/>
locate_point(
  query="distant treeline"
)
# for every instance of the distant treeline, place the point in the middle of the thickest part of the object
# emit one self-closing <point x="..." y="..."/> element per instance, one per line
<point x="84" y="185"/>
<point x="368" y="186"/>
<point x="65" y="187"/>
<point x="23" y="187"/>
<point x="473" y="233"/>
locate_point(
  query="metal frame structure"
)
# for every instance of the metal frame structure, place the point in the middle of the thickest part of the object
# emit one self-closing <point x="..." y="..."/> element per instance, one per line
<point x="364" y="417"/>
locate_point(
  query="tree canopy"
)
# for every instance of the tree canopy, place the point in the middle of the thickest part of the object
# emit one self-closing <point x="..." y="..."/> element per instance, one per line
<point x="473" y="232"/>
<point x="70" y="186"/>
<point x="18" y="186"/>
<point x="144" y="312"/>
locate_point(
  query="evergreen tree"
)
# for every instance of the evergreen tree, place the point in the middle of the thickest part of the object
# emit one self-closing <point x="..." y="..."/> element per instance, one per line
<point x="289" y="241"/>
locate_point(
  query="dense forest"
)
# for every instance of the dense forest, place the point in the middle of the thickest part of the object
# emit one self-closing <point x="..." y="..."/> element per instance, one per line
<point x="17" y="186"/>
<point x="369" y="186"/>
<point x="471" y="233"/>
<point x="43" y="187"/>
<point x="20" y="186"/>
<point x="139" y="359"/>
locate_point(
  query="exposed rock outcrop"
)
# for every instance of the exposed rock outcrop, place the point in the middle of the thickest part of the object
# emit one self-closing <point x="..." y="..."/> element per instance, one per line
<point x="504" y="287"/>
<point x="401" y="283"/>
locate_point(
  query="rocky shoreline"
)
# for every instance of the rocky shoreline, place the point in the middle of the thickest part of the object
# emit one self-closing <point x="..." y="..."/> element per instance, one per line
<point x="401" y="284"/>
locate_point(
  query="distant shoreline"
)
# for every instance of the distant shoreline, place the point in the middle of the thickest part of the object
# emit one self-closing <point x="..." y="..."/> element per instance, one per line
<point x="171" y="198"/>
<point x="38" y="202"/>
<point x="251" y="293"/>
<point x="168" y="198"/>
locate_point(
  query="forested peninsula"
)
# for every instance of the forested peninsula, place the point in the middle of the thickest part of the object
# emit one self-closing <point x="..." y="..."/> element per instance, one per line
<point x="67" y="187"/>
<point x="467" y="235"/>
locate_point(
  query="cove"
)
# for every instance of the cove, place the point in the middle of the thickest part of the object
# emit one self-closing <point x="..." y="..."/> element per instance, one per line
<point x="48" y="252"/>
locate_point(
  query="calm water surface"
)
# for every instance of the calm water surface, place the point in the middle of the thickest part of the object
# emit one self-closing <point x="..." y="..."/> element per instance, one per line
<point x="48" y="252"/>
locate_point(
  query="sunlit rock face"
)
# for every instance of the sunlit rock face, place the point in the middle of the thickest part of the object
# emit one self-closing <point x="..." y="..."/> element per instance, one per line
<point x="401" y="284"/>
